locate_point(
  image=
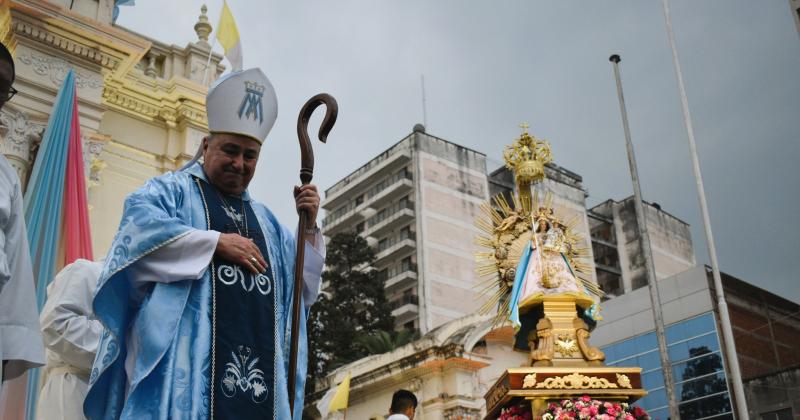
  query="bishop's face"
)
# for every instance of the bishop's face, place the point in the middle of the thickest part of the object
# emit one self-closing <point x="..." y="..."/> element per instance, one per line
<point x="229" y="161"/>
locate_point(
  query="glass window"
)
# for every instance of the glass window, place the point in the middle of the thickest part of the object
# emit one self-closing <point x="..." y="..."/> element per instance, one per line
<point x="690" y="328"/>
<point x="654" y="399"/>
<point x="660" y="414"/>
<point x="699" y="366"/>
<point x="693" y="348"/>
<point x="617" y="353"/>
<point x="611" y="355"/>
<point x="700" y="387"/>
<point x="648" y="341"/>
<point x="652" y="379"/>
<point x="705" y="407"/>
<point x="649" y="361"/>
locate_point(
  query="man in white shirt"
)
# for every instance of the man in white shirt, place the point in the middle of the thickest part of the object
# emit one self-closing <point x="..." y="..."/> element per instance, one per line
<point x="20" y="340"/>
<point x="404" y="405"/>
<point x="71" y="334"/>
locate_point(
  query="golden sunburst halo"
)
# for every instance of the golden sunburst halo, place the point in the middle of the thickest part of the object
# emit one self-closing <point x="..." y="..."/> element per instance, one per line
<point x="505" y="232"/>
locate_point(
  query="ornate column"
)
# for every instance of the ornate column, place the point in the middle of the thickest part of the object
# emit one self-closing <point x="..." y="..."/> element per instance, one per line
<point x="20" y="139"/>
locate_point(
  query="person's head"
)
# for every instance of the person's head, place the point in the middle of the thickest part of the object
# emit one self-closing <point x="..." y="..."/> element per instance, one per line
<point x="241" y="108"/>
<point x="229" y="161"/>
<point x="6" y="74"/>
<point x="404" y="402"/>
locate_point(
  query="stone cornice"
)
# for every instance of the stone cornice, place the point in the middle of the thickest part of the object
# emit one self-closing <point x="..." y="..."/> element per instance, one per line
<point x="76" y="36"/>
<point x="172" y="105"/>
<point x="112" y="52"/>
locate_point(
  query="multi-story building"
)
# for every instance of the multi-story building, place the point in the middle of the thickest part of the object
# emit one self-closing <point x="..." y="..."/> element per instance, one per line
<point x="416" y="204"/>
<point x="618" y="256"/>
<point x="766" y="331"/>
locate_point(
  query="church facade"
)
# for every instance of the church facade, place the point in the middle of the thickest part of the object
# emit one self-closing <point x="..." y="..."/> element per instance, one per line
<point x="141" y="101"/>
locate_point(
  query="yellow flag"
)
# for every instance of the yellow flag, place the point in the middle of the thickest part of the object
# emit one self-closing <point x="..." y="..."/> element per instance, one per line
<point x="228" y="37"/>
<point x="342" y="395"/>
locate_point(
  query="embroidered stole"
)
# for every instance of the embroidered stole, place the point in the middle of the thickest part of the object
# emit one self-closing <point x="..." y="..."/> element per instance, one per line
<point x="244" y="309"/>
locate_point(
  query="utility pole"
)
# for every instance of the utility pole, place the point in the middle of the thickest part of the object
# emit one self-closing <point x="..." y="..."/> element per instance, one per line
<point x="722" y="306"/>
<point x="644" y="240"/>
<point x="424" y="104"/>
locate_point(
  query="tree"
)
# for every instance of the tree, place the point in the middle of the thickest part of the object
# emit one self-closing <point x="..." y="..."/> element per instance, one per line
<point x="384" y="341"/>
<point x="352" y="305"/>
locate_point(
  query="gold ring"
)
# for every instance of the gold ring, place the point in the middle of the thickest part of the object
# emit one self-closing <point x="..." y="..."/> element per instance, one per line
<point x="254" y="261"/>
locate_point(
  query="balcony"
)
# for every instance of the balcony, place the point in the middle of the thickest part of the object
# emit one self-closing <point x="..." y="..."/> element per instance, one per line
<point x="390" y="189"/>
<point x="400" y="281"/>
<point x="387" y="162"/>
<point x="398" y="277"/>
<point x="387" y="190"/>
<point x="405" y="308"/>
<point x="398" y="214"/>
<point x="393" y="248"/>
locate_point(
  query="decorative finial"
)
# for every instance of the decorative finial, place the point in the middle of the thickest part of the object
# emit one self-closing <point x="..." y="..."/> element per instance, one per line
<point x="202" y="27"/>
<point x="526" y="157"/>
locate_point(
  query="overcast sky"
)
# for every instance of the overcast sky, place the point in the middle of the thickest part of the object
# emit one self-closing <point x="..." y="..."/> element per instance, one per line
<point x="490" y="65"/>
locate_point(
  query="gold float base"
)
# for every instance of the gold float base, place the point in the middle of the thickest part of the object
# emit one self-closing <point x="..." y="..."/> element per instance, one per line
<point x="543" y="385"/>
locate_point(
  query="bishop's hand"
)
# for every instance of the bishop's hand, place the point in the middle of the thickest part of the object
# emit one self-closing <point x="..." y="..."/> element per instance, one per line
<point x="239" y="250"/>
<point x="306" y="200"/>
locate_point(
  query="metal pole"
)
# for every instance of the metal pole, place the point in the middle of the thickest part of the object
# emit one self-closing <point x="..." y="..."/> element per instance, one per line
<point x="424" y="105"/>
<point x="644" y="238"/>
<point x="725" y="321"/>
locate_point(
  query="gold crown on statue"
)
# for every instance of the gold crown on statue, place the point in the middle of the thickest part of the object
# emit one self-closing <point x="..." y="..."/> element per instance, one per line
<point x="527" y="157"/>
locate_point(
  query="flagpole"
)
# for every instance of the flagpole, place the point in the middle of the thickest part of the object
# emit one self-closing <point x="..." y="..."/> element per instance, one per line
<point x="644" y="238"/>
<point x="722" y="306"/>
<point x="208" y="62"/>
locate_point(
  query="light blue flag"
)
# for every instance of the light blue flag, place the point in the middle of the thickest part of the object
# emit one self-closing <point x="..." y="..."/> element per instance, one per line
<point x="43" y="202"/>
<point x="516" y="290"/>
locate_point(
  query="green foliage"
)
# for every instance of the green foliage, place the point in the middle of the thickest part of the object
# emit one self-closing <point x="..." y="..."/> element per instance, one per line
<point x="384" y="341"/>
<point x="353" y="305"/>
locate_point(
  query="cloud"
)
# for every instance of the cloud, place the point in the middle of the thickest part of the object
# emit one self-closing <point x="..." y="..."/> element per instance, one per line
<point x="490" y="65"/>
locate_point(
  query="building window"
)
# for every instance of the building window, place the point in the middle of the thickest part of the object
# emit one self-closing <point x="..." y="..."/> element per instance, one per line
<point x="697" y="369"/>
<point x="360" y="227"/>
<point x="359" y="199"/>
<point x="610" y="282"/>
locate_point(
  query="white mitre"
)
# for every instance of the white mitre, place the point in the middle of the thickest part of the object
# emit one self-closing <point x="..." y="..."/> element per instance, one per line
<point x="244" y="103"/>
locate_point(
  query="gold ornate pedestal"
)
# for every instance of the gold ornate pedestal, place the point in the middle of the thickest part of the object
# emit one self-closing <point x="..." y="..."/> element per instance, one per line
<point x="543" y="385"/>
<point x="535" y="264"/>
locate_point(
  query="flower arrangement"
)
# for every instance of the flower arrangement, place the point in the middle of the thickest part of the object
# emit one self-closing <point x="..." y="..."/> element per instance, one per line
<point x="587" y="408"/>
<point x="517" y="412"/>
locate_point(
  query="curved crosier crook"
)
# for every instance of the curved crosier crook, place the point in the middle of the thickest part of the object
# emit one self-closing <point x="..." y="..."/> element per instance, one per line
<point x="306" y="174"/>
<point x="306" y="151"/>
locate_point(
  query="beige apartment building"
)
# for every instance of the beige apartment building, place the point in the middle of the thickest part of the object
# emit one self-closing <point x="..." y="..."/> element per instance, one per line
<point x="415" y="204"/>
